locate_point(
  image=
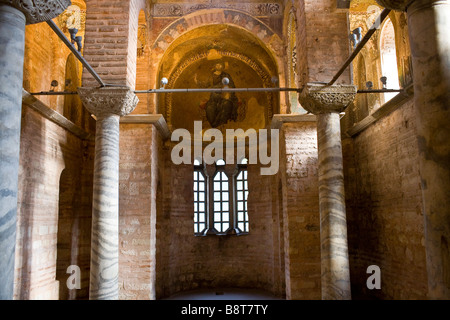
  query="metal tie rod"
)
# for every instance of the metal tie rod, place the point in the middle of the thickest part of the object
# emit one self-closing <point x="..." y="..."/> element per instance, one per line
<point x="361" y="45"/>
<point x="218" y="90"/>
<point x="67" y="42"/>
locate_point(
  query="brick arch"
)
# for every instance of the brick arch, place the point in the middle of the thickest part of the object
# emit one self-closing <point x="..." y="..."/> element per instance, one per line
<point x="268" y="38"/>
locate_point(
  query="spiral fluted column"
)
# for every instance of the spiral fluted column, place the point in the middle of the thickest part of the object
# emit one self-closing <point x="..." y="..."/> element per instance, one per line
<point x="327" y="102"/>
<point x="108" y="105"/>
<point x="14" y="15"/>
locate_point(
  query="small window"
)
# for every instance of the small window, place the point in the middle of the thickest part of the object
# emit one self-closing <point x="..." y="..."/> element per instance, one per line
<point x="389" y="58"/>
<point x="220" y="200"/>
<point x="241" y="197"/>
<point x="200" y="201"/>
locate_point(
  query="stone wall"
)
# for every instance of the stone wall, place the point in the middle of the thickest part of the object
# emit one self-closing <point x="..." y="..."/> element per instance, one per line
<point x="384" y="208"/>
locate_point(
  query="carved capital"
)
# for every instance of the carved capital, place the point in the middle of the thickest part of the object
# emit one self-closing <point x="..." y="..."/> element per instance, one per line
<point x="109" y="100"/>
<point x="38" y="10"/>
<point x="399" y="5"/>
<point x="320" y="98"/>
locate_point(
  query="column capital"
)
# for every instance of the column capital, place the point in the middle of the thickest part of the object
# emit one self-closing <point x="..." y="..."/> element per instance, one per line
<point x="38" y="10"/>
<point x="108" y="100"/>
<point x="320" y="98"/>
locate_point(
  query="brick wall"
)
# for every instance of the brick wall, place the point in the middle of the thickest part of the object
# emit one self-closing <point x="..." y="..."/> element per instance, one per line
<point x="300" y="197"/>
<point x="384" y="208"/>
<point x="185" y="262"/>
<point x="110" y="43"/>
<point x="327" y="41"/>
<point x="47" y="149"/>
<point x="137" y="196"/>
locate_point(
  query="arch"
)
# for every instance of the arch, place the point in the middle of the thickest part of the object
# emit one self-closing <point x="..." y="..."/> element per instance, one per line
<point x="266" y="36"/>
<point x="388" y="55"/>
<point x="184" y="50"/>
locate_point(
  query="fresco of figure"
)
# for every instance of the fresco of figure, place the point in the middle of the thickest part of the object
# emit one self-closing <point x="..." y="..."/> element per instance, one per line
<point x="221" y="106"/>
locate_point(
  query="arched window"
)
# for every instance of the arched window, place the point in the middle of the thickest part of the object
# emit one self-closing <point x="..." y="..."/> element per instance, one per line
<point x="241" y="195"/>
<point x="200" y="200"/>
<point x="220" y="199"/>
<point x="389" y="58"/>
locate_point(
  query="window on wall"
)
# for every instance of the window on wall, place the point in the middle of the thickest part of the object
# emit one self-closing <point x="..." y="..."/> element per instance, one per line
<point x="220" y="199"/>
<point x="200" y="201"/>
<point x="389" y="58"/>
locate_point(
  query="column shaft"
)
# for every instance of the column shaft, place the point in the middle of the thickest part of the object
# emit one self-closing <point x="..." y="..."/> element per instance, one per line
<point x="12" y="43"/>
<point x="429" y="28"/>
<point x="104" y="283"/>
<point x="333" y="221"/>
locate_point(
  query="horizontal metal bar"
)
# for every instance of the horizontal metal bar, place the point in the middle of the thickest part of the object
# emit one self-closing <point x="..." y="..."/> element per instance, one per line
<point x="77" y="54"/>
<point x="53" y="93"/>
<point x="217" y="90"/>
<point x="361" y="45"/>
<point x="380" y="91"/>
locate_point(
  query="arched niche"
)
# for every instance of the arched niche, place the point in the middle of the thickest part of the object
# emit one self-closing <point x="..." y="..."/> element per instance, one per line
<point x="193" y="60"/>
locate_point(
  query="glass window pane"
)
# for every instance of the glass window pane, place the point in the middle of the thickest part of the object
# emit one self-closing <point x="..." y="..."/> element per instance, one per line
<point x="240" y="176"/>
<point x="195" y="186"/>
<point x="201" y="186"/>
<point x="217" y="207"/>
<point x="196" y="228"/>
<point x="241" y="226"/>
<point x="225" y="216"/>
<point x="216" y="196"/>
<point x="245" y="174"/>
<point x="201" y="196"/>
<point x="195" y="217"/>
<point x="240" y="196"/>
<point x="218" y="226"/>
<point x="246" y="185"/>
<point x="195" y="196"/>
<point x="224" y="177"/>
<point x="225" y="226"/>
<point x="244" y="161"/>
<point x="225" y="196"/>
<point x="225" y="186"/>
<point x="225" y="207"/>
<point x="195" y="207"/>
<point x="196" y="162"/>
<point x="239" y="185"/>
<point x="240" y="206"/>
<point x="202" y="217"/>
<point x="201" y="177"/>
<point x="220" y="162"/>
<point x="201" y="207"/>
<point x="217" y="217"/>
<point x="216" y="186"/>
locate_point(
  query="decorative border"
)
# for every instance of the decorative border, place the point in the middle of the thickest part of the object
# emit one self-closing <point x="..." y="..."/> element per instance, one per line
<point x="161" y="10"/>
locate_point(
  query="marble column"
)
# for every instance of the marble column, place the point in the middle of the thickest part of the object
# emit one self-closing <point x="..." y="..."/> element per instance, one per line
<point x="108" y="105"/>
<point x="14" y="15"/>
<point x="327" y="102"/>
<point x="429" y="35"/>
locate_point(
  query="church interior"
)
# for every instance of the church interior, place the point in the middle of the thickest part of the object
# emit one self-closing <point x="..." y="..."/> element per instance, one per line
<point x="103" y="196"/>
